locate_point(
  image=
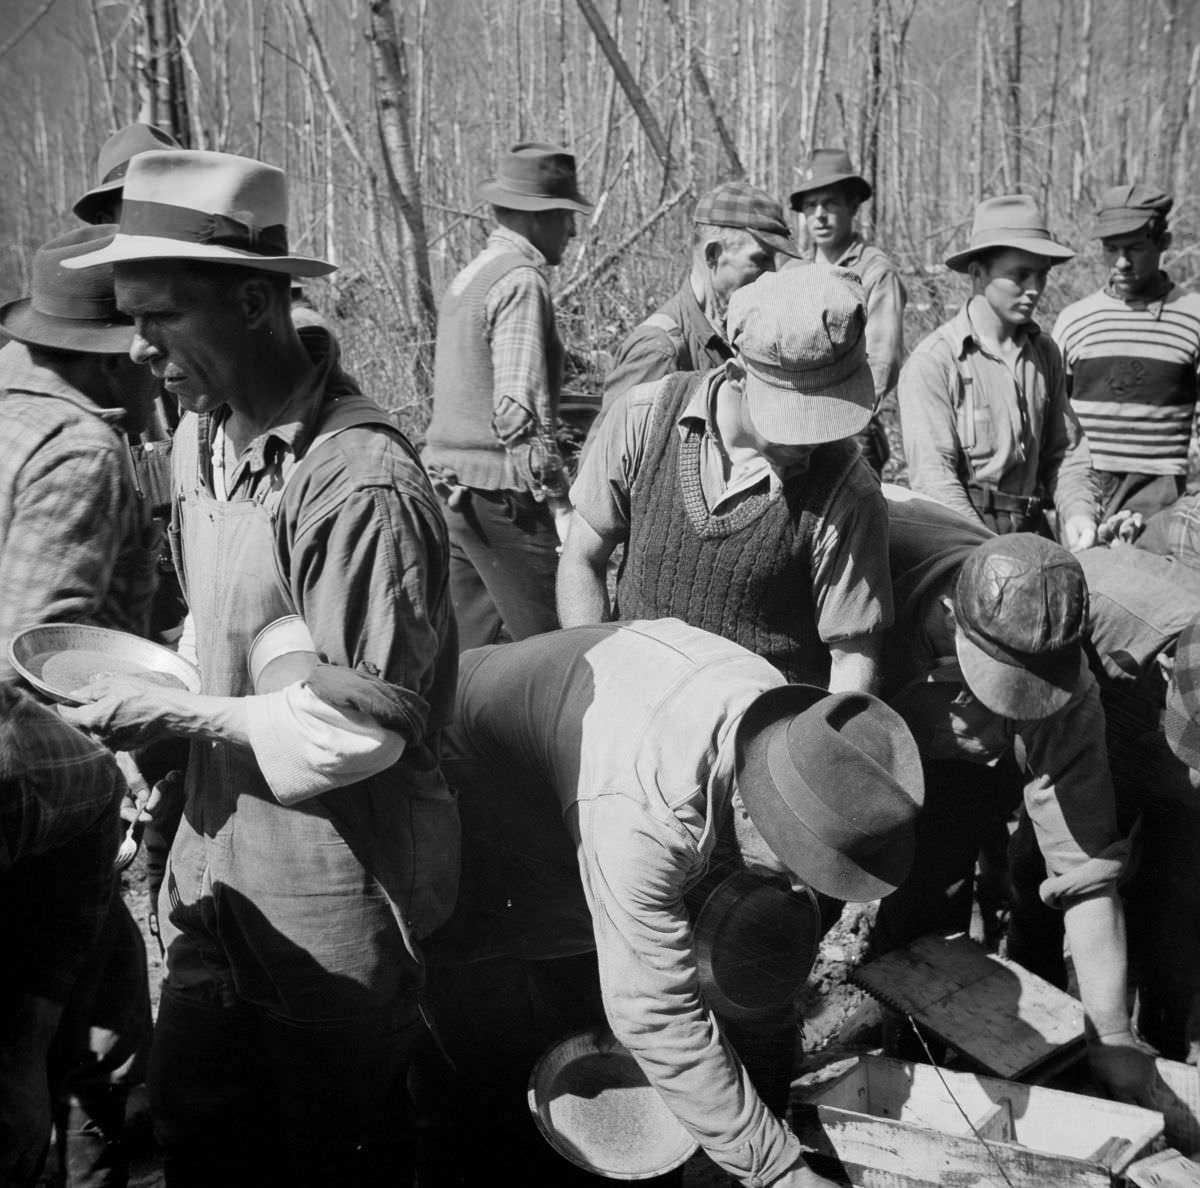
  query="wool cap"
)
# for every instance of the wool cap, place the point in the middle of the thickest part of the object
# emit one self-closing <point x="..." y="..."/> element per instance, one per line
<point x="1181" y="720"/>
<point x="800" y="335"/>
<point x="1021" y="605"/>
<point x="70" y="311"/>
<point x="115" y="154"/>
<point x="1127" y="208"/>
<point x="826" y="169"/>
<point x="1009" y="221"/>
<point x="833" y="782"/>
<point x="739" y="204"/>
<point x="535" y="176"/>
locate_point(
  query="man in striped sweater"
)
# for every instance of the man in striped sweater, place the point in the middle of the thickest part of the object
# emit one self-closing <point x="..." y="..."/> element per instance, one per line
<point x="1132" y="353"/>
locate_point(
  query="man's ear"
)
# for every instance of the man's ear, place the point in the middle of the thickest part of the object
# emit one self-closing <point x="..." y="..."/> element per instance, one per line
<point x="1164" y="241"/>
<point x="256" y="298"/>
<point x="947" y="605"/>
<point x="714" y="249"/>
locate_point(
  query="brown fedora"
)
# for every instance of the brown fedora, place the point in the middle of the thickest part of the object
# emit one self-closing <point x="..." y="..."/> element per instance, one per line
<point x="115" y="155"/>
<point x="827" y="168"/>
<point x="536" y="177"/>
<point x="70" y="311"/>
<point x="1009" y="221"/>
<point x="833" y="782"/>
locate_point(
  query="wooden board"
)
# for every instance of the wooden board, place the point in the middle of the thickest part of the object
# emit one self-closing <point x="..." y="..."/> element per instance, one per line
<point x="1008" y="1021"/>
<point x="885" y="1123"/>
<point x="1166" y="1169"/>
<point x="1178" y="1096"/>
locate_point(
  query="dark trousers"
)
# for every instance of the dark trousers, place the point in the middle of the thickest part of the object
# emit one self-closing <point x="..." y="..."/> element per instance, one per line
<point x="1145" y="493"/>
<point x="503" y="562"/>
<point x="242" y="1097"/>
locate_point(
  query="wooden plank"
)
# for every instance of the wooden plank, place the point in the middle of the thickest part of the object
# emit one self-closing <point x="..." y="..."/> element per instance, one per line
<point x="1178" y="1096"/>
<point x="1166" y="1169"/>
<point x="1007" y="1020"/>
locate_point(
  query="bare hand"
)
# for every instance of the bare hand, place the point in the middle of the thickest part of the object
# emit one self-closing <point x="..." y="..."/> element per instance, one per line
<point x="124" y="712"/>
<point x="1124" y="1069"/>
<point x="1079" y="533"/>
<point x="1122" y="528"/>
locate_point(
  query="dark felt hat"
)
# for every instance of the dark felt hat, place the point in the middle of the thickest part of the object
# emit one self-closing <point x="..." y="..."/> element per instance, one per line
<point x="833" y="782"/>
<point x="828" y="168"/>
<point x="536" y="177"/>
<point x="1021" y="604"/>
<point x="115" y="155"/>
<point x="70" y="311"/>
<point x="1127" y="208"/>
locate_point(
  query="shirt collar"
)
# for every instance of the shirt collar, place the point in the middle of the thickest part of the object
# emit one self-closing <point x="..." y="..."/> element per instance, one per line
<point x="22" y="374"/>
<point x="855" y="247"/>
<point x="1155" y="304"/>
<point x="962" y="331"/>
<point x="514" y="241"/>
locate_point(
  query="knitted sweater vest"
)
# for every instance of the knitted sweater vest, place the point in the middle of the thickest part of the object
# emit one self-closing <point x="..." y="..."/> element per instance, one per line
<point x="460" y="437"/>
<point x="745" y="574"/>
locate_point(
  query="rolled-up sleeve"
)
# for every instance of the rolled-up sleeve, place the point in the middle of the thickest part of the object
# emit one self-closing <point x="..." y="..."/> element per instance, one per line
<point x="886" y="299"/>
<point x="634" y="868"/>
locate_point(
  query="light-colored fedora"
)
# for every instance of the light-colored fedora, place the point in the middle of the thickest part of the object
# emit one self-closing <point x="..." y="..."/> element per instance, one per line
<point x="1009" y="221"/>
<point x="189" y="204"/>
<point x="115" y="154"/>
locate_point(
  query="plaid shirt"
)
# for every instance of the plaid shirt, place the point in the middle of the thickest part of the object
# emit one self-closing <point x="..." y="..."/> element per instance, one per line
<point x="76" y="541"/>
<point x="59" y="793"/>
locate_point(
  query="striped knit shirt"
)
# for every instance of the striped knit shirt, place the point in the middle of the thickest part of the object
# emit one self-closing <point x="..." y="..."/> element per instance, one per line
<point x="1133" y="378"/>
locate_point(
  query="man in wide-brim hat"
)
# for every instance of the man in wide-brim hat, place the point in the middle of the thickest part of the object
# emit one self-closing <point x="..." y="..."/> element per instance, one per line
<point x="319" y="841"/>
<point x="498" y="369"/>
<point x="828" y="197"/>
<point x="987" y="426"/>
<point x="602" y="771"/>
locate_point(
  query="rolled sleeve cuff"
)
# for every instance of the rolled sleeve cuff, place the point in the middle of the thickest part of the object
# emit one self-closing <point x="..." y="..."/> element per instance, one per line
<point x="305" y="746"/>
<point x="1095" y="874"/>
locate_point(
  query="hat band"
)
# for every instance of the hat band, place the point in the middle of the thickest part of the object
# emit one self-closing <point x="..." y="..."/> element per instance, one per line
<point x="1041" y="664"/>
<point x="1001" y="235"/>
<point x="82" y="309"/>
<point x="811" y="377"/>
<point x="116" y="172"/>
<point x="161" y="220"/>
<point x="559" y="187"/>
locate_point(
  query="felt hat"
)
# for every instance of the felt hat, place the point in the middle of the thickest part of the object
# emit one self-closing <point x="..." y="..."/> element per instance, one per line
<point x="1181" y="720"/>
<point x="1021" y="605"/>
<point x="1127" y="208"/>
<point x="70" y="311"/>
<point x="115" y="155"/>
<point x="800" y="335"/>
<point x="826" y="169"/>
<point x="833" y="782"/>
<point x="1009" y="221"/>
<point x="535" y="177"/>
<point x="739" y="204"/>
<point x="189" y="204"/>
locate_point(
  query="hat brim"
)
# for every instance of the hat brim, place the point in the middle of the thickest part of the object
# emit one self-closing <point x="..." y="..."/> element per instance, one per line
<point x="1054" y="252"/>
<point x="498" y="195"/>
<point x="19" y="320"/>
<point x="777" y="243"/>
<point x="793" y="416"/>
<point x="829" y="182"/>
<point x="85" y="208"/>
<point x="127" y="249"/>
<point x="1122" y="223"/>
<point x="820" y="865"/>
<point x="1013" y="691"/>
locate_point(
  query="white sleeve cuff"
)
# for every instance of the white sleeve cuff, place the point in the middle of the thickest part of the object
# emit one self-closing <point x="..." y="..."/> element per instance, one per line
<point x="305" y="746"/>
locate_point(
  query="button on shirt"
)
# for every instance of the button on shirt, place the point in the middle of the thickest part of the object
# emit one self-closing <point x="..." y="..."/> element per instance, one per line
<point x="967" y="414"/>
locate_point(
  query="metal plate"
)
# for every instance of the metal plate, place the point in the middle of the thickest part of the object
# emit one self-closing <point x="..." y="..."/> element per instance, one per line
<point x="594" y="1106"/>
<point x="58" y="659"/>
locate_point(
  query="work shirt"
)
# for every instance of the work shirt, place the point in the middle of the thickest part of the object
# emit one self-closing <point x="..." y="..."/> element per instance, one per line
<point x="1068" y="788"/>
<point x="886" y="298"/>
<point x="76" y="540"/>
<point x="851" y="588"/>
<point x="628" y="729"/>
<point x="677" y="337"/>
<point x="968" y="415"/>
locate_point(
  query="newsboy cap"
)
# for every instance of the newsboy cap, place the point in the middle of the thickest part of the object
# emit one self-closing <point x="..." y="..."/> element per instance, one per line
<point x="1129" y="207"/>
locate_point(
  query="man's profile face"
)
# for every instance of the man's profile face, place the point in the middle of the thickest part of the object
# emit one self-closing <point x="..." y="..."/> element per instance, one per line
<point x="739" y="262"/>
<point x="1133" y="262"/>
<point x="829" y="216"/>
<point x="1012" y="281"/>
<point x="553" y="230"/>
<point x="193" y="337"/>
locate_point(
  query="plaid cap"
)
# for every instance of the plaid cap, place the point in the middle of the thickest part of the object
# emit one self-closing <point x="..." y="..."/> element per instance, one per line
<point x="739" y="204"/>
<point x="1127" y="208"/>
<point x="1021" y="606"/>
<point x="799" y="334"/>
<point x="1181" y="720"/>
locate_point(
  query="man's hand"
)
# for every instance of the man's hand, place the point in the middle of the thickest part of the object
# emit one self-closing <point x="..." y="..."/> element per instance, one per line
<point x="125" y="712"/>
<point x="1122" y="528"/>
<point x="1079" y="533"/>
<point x="1123" y="1068"/>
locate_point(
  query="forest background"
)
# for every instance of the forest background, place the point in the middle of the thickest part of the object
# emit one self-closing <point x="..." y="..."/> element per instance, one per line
<point x="388" y="114"/>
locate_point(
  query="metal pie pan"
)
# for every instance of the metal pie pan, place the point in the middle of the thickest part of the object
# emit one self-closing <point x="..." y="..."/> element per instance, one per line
<point x="594" y="1106"/>
<point x="58" y="659"/>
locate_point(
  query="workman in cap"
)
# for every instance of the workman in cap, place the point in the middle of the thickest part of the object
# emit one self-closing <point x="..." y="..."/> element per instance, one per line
<point x="602" y="772"/>
<point x="987" y="426"/>
<point x="490" y="447"/>
<point x="986" y="664"/>
<point x="1132" y="355"/>
<point x="743" y="506"/>
<point x="828" y="198"/>
<point x="738" y="233"/>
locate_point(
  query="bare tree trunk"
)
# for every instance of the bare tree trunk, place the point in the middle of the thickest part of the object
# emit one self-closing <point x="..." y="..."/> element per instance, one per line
<point x="816" y="89"/>
<point x="1082" y="160"/>
<point x="979" y="138"/>
<point x="633" y="92"/>
<point x="1052" y="120"/>
<point x="1012" y="89"/>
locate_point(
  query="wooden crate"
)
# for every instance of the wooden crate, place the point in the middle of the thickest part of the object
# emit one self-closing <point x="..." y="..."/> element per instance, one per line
<point x="886" y="1123"/>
